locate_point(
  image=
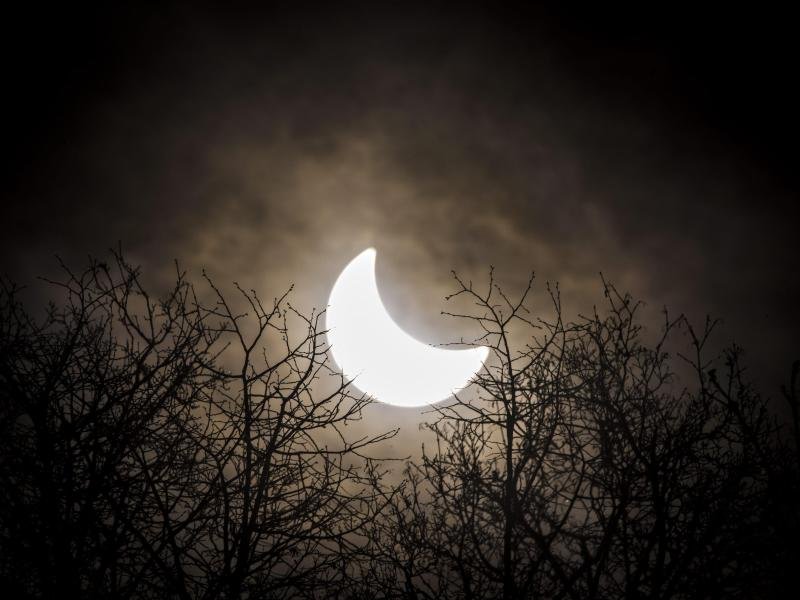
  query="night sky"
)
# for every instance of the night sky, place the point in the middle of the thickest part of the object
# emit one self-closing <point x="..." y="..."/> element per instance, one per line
<point x="271" y="146"/>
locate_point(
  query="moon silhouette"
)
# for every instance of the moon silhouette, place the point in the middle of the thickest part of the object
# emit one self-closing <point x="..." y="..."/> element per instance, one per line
<point x="382" y="359"/>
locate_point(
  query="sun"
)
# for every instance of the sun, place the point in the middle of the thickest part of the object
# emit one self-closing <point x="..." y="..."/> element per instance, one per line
<point x="382" y="359"/>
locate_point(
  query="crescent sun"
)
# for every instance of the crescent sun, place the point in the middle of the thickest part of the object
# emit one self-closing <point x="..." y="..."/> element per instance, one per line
<point x="382" y="359"/>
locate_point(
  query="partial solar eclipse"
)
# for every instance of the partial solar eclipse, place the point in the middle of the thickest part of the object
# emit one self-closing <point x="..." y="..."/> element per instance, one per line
<point x="382" y="359"/>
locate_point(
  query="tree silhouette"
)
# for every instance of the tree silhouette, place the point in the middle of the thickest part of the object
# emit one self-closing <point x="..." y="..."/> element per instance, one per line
<point x="84" y="390"/>
<point x="592" y="464"/>
<point x="163" y="448"/>
<point x="192" y="445"/>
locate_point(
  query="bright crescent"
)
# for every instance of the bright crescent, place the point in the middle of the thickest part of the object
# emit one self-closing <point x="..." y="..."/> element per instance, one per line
<point x="382" y="359"/>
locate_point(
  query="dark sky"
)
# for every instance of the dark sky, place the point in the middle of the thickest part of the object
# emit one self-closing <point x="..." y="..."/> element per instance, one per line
<point x="271" y="146"/>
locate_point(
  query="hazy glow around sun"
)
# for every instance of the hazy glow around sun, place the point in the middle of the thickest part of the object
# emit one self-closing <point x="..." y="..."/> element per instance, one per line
<point x="384" y="360"/>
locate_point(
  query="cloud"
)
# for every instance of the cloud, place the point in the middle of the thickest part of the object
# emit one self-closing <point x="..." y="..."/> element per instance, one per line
<point x="273" y="152"/>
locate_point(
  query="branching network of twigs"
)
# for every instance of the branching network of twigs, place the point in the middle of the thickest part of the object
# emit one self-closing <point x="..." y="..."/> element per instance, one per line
<point x="194" y="445"/>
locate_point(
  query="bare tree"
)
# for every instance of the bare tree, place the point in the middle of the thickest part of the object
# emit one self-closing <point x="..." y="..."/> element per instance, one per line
<point x="273" y="488"/>
<point x="591" y="464"/>
<point x="193" y="445"/>
<point x="167" y="448"/>
<point x="82" y="390"/>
